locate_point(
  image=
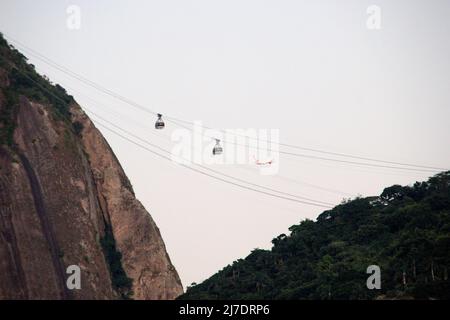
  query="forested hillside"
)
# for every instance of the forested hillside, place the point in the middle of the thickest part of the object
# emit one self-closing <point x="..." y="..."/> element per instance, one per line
<point x="405" y="231"/>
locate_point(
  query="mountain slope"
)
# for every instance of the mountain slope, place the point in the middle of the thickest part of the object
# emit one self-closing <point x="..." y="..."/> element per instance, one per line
<point x="405" y="231"/>
<point x="65" y="200"/>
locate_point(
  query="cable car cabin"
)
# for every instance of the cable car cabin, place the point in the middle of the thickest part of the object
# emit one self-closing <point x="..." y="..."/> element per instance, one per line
<point x="159" y="124"/>
<point x="217" y="148"/>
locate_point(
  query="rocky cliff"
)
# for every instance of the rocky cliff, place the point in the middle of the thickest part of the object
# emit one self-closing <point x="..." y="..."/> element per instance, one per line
<point x="65" y="200"/>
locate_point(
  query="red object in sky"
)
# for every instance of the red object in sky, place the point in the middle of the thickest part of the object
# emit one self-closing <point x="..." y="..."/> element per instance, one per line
<point x="259" y="163"/>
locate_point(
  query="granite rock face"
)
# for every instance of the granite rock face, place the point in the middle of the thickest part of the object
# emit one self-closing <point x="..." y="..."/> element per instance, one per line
<point x="62" y="192"/>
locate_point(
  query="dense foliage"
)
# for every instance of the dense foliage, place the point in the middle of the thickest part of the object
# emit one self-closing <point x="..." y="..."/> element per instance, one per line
<point x="405" y="231"/>
<point x="24" y="80"/>
<point x="120" y="281"/>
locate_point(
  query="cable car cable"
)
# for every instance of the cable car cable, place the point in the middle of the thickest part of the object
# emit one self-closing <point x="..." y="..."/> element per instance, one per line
<point x="204" y="167"/>
<point x="130" y="102"/>
<point x="209" y="175"/>
<point x="199" y="171"/>
<point x="323" y="158"/>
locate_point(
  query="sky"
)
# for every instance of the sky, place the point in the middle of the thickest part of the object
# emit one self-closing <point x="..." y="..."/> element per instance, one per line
<point x="316" y="71"/>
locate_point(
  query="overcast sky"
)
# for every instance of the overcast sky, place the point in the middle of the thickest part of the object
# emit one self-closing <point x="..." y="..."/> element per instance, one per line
<point x="311" y="69"/>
